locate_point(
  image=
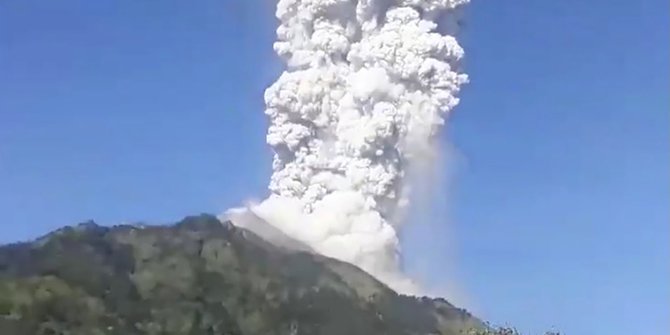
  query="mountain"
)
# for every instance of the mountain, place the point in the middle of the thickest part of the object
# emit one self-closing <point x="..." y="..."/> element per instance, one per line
<point x="199" y="276"/>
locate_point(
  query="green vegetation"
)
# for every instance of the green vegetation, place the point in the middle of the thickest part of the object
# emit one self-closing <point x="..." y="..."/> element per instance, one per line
<point x="500" y="331"/>
<point x="198" y="277"/>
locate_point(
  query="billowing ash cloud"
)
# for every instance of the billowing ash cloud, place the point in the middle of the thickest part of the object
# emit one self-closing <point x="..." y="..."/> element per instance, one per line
<point x="366" y="89"/>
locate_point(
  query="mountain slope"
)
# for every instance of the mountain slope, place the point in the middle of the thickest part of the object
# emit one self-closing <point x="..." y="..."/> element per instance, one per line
<point x="200" y="276"/>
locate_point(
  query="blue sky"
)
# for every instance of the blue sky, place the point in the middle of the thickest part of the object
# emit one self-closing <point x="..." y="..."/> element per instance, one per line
<point x="558" y="207"/>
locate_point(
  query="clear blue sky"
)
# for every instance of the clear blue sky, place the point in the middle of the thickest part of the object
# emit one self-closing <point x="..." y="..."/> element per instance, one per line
<point x="133" y="110"/>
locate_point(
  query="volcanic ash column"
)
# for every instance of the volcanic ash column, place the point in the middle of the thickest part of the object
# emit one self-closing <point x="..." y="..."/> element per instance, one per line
<point x="366" y="89"/>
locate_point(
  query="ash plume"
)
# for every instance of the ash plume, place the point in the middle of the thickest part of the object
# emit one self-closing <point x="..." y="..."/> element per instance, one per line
<point x="366" y="89"/>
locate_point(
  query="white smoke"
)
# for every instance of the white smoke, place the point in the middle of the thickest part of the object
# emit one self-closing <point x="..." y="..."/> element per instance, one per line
<point x="367" y="86"/>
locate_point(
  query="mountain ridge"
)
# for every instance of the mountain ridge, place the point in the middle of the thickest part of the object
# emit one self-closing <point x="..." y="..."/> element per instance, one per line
<point x="199" y="276"/>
